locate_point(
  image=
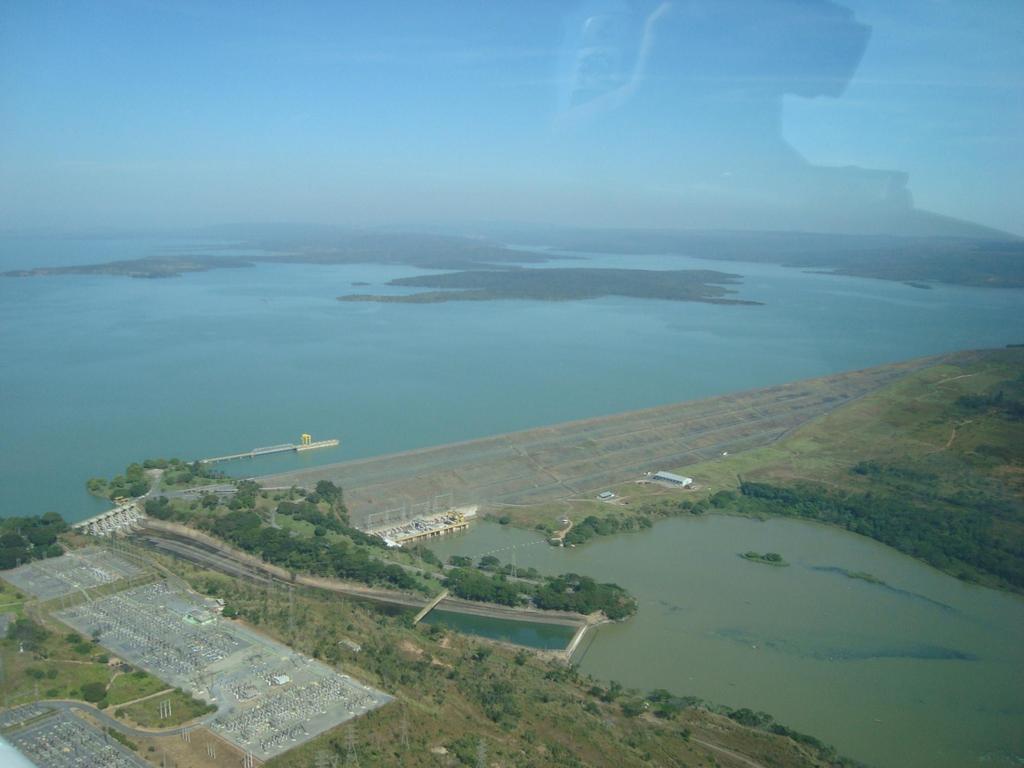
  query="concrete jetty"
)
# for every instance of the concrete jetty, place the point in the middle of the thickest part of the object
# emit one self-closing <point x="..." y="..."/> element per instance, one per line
<point x="305" y="445"/>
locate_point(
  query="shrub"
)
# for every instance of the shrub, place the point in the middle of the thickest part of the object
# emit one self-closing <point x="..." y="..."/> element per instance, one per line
<point x="94" y="692"/>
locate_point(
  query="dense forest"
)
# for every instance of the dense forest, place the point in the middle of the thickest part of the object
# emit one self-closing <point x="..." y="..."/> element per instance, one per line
<point x="592" y="526"/>
<point x="134" y="482"/>
<point x="178" y="472"/>
<point x="568" y="592"/>
<point x="348" y="555"/>
<point x="958" y="508"/>
<point x="947" y="531"/>
<point x="23" y="539"/>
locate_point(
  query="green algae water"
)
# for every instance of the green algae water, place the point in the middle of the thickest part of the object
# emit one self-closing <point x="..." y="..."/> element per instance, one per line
<point x="912" y="670"/>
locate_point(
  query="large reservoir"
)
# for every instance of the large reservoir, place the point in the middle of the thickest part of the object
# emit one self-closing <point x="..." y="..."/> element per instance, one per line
<point x="911" y="669"/>
<point x="920" y="670"/>
<point x="101" y="371"/>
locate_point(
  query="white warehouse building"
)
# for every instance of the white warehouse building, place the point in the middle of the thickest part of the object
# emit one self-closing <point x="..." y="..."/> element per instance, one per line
<point x="669" y="477"/>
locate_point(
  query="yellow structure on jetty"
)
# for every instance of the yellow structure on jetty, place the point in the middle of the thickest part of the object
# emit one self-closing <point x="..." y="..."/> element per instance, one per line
<point x="306" y="443"/>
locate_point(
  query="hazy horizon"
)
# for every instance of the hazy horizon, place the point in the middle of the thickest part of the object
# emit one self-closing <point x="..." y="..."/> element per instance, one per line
<point x="849" y="116"/>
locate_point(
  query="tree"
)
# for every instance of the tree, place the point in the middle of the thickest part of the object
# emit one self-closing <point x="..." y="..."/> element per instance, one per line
<point x="159" y="507"/>
<point x="94" y="692"/>
<point x="12" y="541"/>
<point x="633" y="707"/>
<point x="28" y="633"/>
<point x="489" y="563"/>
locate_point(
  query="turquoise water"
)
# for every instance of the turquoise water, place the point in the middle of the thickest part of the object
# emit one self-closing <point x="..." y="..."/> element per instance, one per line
<point x="531" y="634"/>
<point x="12" y="758"/>
<point x="920" y="672"/>
<point x="97" y="372"/>
<point x="101" y="371"/>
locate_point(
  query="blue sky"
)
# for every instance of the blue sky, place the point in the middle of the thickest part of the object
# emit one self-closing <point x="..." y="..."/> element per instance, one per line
<point x="736" y="113"/>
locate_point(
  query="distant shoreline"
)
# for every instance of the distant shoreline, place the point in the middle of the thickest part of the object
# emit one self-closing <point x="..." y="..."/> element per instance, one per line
<point x="915" y="261"/>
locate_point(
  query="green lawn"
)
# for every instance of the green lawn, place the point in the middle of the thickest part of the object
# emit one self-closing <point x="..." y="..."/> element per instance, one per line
<point x="56" y="669"/>
<point x="147" y="713"/>
<point x="57" y="662"/>
<point x="133" y="685"/>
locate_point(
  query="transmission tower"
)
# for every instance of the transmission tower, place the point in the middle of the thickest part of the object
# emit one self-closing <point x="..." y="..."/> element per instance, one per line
<point x="481" y="754"/>
<point x="352" y="758"/>
<point x="291" y="609"/>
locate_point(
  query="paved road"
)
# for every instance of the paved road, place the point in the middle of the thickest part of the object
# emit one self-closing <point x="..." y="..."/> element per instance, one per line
<point x="69" y="706"/>
<point x="221" y="489"/>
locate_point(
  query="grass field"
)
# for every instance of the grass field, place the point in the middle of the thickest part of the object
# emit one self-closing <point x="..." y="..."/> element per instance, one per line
<point x="46" y="659"/>
<point x="147" y="713"/>
<point x="130" y="686"/>
<point x="55" y="664"/>
<point x="909" y="418"/>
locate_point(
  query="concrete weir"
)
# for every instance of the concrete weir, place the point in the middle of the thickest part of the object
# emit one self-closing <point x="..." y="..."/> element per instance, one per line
<point x="121" y="519"/>
<point x="570" y="649"/>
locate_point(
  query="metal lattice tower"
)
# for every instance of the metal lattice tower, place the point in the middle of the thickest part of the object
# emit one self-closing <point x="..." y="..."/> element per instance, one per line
<point x="352" y="757"/>
<point x="291" y="609"/>
<point x="481" y="754"/>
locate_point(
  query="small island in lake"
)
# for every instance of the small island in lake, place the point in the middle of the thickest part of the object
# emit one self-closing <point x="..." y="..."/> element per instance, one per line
<point x="768" y="558"/>
<point x="565" y="284"/>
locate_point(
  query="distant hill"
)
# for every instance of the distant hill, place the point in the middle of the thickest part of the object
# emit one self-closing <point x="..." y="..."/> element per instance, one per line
<point x="994" y="260"/>
<point x="990" y="260"/>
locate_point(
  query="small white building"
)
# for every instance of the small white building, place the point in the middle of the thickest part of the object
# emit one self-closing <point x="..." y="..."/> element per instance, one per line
<point x="605" y="495"/>
<point x="673" y="479"/>
<point x="280" y="679"/>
